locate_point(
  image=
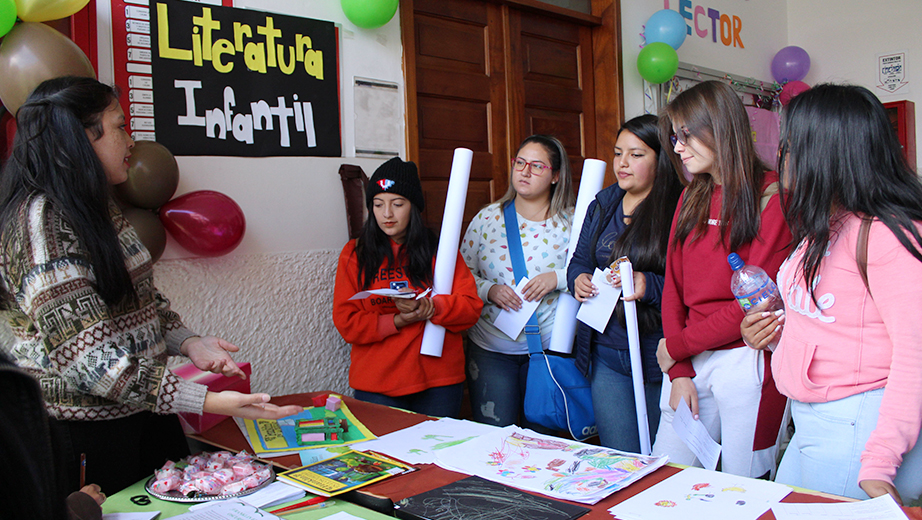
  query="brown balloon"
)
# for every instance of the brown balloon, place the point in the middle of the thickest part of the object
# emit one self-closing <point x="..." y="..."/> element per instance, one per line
<point x="149" y="228"/>
<point x="32" y="53"/>
<point x="153" y="176"/>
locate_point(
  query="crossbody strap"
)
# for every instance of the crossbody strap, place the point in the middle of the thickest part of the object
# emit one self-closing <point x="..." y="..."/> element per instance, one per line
<point x="514" y="241"/>
<point x="861" y="250"/>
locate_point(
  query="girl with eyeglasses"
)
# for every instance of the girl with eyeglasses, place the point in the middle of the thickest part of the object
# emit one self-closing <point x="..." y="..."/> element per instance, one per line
<point x="729" y="206"/>
<point x="850" y="349"/>
<point x="630" y="218"/>
<point x="541" y="190"/>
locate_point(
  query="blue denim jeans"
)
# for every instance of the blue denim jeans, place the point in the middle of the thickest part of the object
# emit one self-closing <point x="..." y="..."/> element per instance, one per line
<point x="496" y="383"/>
<point x="825" y="452"/>
<point x="439" y="401"/>
<point x="613" y="397"/>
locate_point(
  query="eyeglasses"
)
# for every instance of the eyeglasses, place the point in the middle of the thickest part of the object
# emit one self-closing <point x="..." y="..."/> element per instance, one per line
<point x="535" y="167"/>
<point x="681" y="137"/>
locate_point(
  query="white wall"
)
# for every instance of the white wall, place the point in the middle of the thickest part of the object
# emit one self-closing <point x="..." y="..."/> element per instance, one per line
<point x="273" y="295"/>
<point x="763" y="32"/>
<point x="845" y="45"/>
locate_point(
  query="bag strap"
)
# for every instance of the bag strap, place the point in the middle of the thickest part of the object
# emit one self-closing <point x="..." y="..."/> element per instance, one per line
<point x="514" y="241"/>
<point x="861" y="250"/>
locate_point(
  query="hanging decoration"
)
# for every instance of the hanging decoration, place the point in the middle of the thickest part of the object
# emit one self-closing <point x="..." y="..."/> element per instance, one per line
<point x="657" y="62"/>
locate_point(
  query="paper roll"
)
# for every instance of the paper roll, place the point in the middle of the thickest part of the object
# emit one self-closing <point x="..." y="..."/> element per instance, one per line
<point x="449" y="237"/>
<point x="565" y="319"/>
<point x="633" y="342"/>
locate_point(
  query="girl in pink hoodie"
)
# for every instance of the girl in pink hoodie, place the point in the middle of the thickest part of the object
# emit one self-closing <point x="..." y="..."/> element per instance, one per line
<point x="850" y="350"/>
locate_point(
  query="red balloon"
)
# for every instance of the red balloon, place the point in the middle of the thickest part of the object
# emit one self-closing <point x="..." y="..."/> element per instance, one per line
<point x="206" y="223"/>
<point x="791" y="89"/>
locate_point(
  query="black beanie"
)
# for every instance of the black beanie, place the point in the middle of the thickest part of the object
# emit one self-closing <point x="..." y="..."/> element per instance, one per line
<point x="397" y="177"/>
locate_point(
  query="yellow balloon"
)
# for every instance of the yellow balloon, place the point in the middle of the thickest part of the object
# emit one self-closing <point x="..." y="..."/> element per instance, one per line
<point x="44" y="10"/>
<point x="32" y="53"/>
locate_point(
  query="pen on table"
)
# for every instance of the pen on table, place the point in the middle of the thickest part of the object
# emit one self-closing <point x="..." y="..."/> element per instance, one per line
<point x="299" y="505"/>
<point x="305" y="508"/>
<point x="82" y="470"/>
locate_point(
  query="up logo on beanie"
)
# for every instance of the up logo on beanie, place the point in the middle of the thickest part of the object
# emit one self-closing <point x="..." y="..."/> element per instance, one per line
<point x="385" y="184"/>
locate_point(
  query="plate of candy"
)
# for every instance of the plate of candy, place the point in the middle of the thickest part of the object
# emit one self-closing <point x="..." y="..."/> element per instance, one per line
<point x="209" y="476"/>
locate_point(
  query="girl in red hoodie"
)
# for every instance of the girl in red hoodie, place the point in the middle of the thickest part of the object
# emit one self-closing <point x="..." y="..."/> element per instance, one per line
<point x="396" y="251"/>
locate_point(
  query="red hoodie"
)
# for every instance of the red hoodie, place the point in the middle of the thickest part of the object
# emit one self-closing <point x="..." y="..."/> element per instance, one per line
<point x="385" y="359"/>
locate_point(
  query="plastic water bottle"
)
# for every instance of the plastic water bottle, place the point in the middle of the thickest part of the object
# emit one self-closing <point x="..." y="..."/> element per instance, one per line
<point x="754" y="290"/>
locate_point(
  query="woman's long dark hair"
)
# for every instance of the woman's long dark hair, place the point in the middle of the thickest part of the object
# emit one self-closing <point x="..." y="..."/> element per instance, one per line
<point x="716" y="118"/>
<point x="373" y="247"/>
<point x="839" y="153"/>
<point x="646" y="238"/>
<point x="53" y="156"/>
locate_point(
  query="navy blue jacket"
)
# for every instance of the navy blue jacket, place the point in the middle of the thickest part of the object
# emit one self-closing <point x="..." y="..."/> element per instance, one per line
<point x="584" y="260"/>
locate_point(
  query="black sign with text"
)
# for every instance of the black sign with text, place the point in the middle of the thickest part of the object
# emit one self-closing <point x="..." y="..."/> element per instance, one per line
<point x="237" y="82"/>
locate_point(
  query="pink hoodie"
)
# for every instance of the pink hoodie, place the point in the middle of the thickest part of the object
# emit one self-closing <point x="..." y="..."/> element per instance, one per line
<point x="850" y="342"/>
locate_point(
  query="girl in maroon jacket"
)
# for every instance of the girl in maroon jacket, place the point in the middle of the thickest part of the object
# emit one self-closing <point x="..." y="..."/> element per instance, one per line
<point x="727" y="386"/>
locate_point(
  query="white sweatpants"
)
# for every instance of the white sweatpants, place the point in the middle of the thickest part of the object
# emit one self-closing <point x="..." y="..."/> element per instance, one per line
<point x="729" y="384"/>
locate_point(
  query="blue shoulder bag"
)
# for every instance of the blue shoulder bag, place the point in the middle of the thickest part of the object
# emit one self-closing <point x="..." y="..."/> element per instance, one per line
<point x="557" y="395"/>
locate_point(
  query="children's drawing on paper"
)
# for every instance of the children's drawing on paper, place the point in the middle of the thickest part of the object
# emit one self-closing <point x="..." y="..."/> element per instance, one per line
<point x="549" y="465"/>
<point x="697" y="494"/>
<point x="418" y="444"/>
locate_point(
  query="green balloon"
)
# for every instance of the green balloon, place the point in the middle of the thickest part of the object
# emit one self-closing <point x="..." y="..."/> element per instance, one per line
<point x="7" y="16"/>
<point x="657" y="62"/>
<point x="369" y="14"/>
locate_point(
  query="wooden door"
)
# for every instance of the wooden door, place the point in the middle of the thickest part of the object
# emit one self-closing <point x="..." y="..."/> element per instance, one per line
<point x="485" y="75"/>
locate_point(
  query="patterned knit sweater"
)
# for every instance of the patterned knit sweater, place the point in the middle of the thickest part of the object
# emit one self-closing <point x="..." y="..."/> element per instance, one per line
<point x="94" y="362"/>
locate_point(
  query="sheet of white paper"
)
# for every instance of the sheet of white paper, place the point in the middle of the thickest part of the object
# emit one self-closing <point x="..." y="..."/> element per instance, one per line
<point x="275" y="493"/>
<point x="393" y="293"/>
<point x="511" y="323"/>
<point x="225" y="509"/>
<point x="147" y="515"/>
<point x="419" y="444"/>
<point x="696" y="436"/>
<point x="699" y="494"/>
<point x="555" y="467"/>
<point x="342" y="515"/>
<point x="596" y="311"/>
<point x="880" y="508"/>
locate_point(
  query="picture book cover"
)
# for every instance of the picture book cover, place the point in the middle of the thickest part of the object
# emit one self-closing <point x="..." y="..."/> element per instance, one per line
<point x="342" y="473"/>
<point x="272" y="437"/>
<point x="475" y="497"/>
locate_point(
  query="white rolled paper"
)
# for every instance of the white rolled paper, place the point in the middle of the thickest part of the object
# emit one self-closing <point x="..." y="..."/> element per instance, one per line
<point x="565" y="319"/>
<point x="450" y="235"/>
<point x="633" y="343"/>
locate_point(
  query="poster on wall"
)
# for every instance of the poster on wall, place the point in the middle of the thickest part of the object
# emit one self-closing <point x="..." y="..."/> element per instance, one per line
<point x="891" y="73"/>
<point x="207" y="79"/>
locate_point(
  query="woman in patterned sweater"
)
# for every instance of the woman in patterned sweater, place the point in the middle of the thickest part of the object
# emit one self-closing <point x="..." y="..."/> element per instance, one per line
<point x="542" y="192"/>
<point x="80" y="299"/>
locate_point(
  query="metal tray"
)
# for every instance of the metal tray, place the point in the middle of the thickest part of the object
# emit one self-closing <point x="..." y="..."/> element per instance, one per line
<point x="176" y="496"/>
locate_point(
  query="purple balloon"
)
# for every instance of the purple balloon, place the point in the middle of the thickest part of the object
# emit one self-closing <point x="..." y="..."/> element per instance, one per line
<point x="790" y="64"/>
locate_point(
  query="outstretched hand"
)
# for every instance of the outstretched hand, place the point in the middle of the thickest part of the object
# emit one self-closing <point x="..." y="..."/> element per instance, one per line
<point x="247" y="406"/>
<point x="211" y="354"/>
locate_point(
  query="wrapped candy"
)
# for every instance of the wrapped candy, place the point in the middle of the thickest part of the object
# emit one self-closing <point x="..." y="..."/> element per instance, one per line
<point x="244" y="469"/>
<point x="251" y="482"/>
<point x="263" y="472"/>
<point x="166" y="484"/>
<point x="223" y="456"/>
<point x="225" y="475"/>
<point x="162" y="474"/>
<point x="208" y="485"/>
<point x="234" y="487"/>
<point x="213" y="465"/>
<point x="198" y="460"/>
<point x="186" y="487"/>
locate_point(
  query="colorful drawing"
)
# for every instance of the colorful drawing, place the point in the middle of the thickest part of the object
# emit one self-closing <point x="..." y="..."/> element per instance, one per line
<point x="449" y="444"/>
<point x="665" y="503"/>
<point x="734" y="488"/>
<point x="699" y="487"/>
<point x="704" y="497"/>
<point x="555" y="464"/>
